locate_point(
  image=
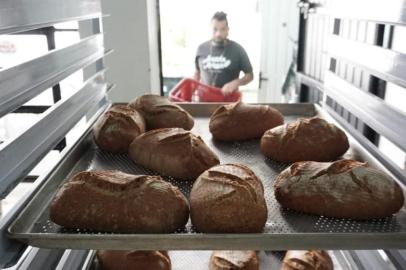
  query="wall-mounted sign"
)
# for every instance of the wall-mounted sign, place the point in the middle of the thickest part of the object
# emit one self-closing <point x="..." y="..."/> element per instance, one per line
<point x="7" y="47"/>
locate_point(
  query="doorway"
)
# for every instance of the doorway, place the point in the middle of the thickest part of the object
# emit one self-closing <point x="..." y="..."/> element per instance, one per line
<point x="185" y="25"/>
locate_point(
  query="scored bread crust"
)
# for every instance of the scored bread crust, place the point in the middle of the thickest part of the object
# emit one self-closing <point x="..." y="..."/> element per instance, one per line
<point x="159" y="112"/>
<point x="228" y="199"/>
<point x="342" y="189"/>
<point x="307" y="260"/>
<point x="117" y="128"/>
<point x="239" y="121"/>
<point x="135" y="259"/>
<point x="234" y="260"/>
<point x="173" y="152"/>
<point x="114" y="201"/>
<point x="307" y="139"/>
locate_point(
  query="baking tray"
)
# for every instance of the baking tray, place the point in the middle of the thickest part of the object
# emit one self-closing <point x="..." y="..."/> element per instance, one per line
<point x="284" y="229"/>
<point x="199" y="260"/>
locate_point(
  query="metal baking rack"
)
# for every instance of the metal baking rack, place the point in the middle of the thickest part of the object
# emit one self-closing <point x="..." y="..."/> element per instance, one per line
<point x="284" y="229"/>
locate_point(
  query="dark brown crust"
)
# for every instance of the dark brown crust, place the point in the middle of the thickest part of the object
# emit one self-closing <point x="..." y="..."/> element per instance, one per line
<point x="113" y="201"/>
<point x="239" y="121"/>
<point x="174" y="152"/>
<point x="234" y="260"/>
<point x="130" y="260"/>
<point x="159" y="112"/>
<point x="307" y="260"/>
<point x="117" y="128"/>
<point x="307" y="139"/>
<point x="342" y="189"/>
<point x="228" y="199"/>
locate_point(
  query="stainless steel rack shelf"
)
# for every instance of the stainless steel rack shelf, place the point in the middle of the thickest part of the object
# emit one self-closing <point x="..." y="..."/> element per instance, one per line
<point x="284" y="229"/>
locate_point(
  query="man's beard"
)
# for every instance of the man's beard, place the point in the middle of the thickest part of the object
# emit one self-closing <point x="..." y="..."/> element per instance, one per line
<point x="219" y="43"/>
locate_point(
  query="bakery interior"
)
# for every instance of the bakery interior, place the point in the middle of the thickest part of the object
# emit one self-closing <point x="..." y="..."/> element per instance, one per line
<point x="112" y="157"/>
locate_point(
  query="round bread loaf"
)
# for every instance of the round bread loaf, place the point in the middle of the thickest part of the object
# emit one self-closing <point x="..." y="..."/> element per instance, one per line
<point x="234" y="260"/>
<point x="174" y="152"/>
<point x="117" y="128"/>
<point x="228" y="199"/>
<point x="307" y="260"/>
<point x="307" y="139"/>
<point x="239" y="121"/>
<point x="341" y="189"/>
<point x="133" y="260"/>
<point x="114" y="201"/>
<point x="159" y="112"/>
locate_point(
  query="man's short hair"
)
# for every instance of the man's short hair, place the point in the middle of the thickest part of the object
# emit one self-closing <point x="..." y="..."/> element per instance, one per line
<point x="220" y="16"/>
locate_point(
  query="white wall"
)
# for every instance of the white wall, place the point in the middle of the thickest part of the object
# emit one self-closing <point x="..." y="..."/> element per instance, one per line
<point x="280" y="25"/>
<point x="130" y="66"/>
<point x="153" y="25"/>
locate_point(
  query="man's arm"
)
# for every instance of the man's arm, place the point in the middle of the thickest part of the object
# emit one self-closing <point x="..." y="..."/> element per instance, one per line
<point x="196" y="76"/>
<point x="246" y="67"/>
<point x="247" y="78"/>
<point x="234" y="84"/>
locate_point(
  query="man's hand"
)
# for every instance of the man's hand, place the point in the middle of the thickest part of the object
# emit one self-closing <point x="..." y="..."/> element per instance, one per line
<point x="230" y="87"/>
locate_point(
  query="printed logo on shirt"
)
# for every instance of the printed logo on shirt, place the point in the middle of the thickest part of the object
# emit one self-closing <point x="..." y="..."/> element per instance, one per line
<point x="215" y="62"/>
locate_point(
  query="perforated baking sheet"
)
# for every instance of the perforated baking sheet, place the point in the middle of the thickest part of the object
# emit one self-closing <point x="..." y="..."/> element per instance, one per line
<point x="284" y="229"/>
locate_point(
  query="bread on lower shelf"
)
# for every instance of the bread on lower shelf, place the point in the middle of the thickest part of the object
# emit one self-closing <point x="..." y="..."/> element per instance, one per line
<point x="234" y="260"/>
<point x="228" y="199"/>
<point x="133" y="260"/>
<point x="114" y="201"/>
<point x="341" y="189"/>
<point x="307" y="260"/>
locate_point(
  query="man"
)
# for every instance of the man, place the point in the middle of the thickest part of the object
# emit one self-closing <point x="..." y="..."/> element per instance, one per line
<point x="220" y="60"/>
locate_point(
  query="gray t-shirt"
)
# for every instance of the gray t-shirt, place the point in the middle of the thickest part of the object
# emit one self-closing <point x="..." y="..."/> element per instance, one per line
<point x="219" y="64"/>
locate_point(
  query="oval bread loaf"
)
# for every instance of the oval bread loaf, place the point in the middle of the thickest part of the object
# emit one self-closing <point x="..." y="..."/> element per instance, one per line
<point x="159" y="112"/>
<point x="228" y="199"/>
<point x="341" y="189"/>
<point x="114" y="201"/>
<point x="173" y="152"/>
<point x="133" y="260"/>
<point x="234" y="260"/>
<point x="307" y="260"/>
<point x="117" y="128"/>
<point x="307" y="139"/>
<point x="239" y="121"/>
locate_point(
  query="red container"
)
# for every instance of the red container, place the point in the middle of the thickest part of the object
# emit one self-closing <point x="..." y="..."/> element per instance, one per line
<point x="183" y="92"/>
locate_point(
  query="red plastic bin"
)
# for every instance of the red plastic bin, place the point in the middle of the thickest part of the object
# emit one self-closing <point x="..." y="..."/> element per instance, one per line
<point x="183" y="92"/>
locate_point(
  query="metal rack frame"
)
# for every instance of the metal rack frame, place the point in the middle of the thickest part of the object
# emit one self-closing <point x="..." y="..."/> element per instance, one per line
<point x="360" y="107"/>
<point x="27" y="80"/>
<point x="23" y="82"/>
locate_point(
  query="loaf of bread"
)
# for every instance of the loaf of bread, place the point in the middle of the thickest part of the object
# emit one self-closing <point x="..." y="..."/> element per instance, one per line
<point x="133" y="260"/>
<point x="234" y="260"/>
<point x="113" y="201"/>
<point x="341" y="189"/>
<point x="307" y="139"/>
<point x="228" y="199"/>
<point x="173" y="152"/>
<point x="307" y="260"/>
<point x="159" y="112"/>
<point x="117" y="128"/>
<point x="239" y="121"/>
